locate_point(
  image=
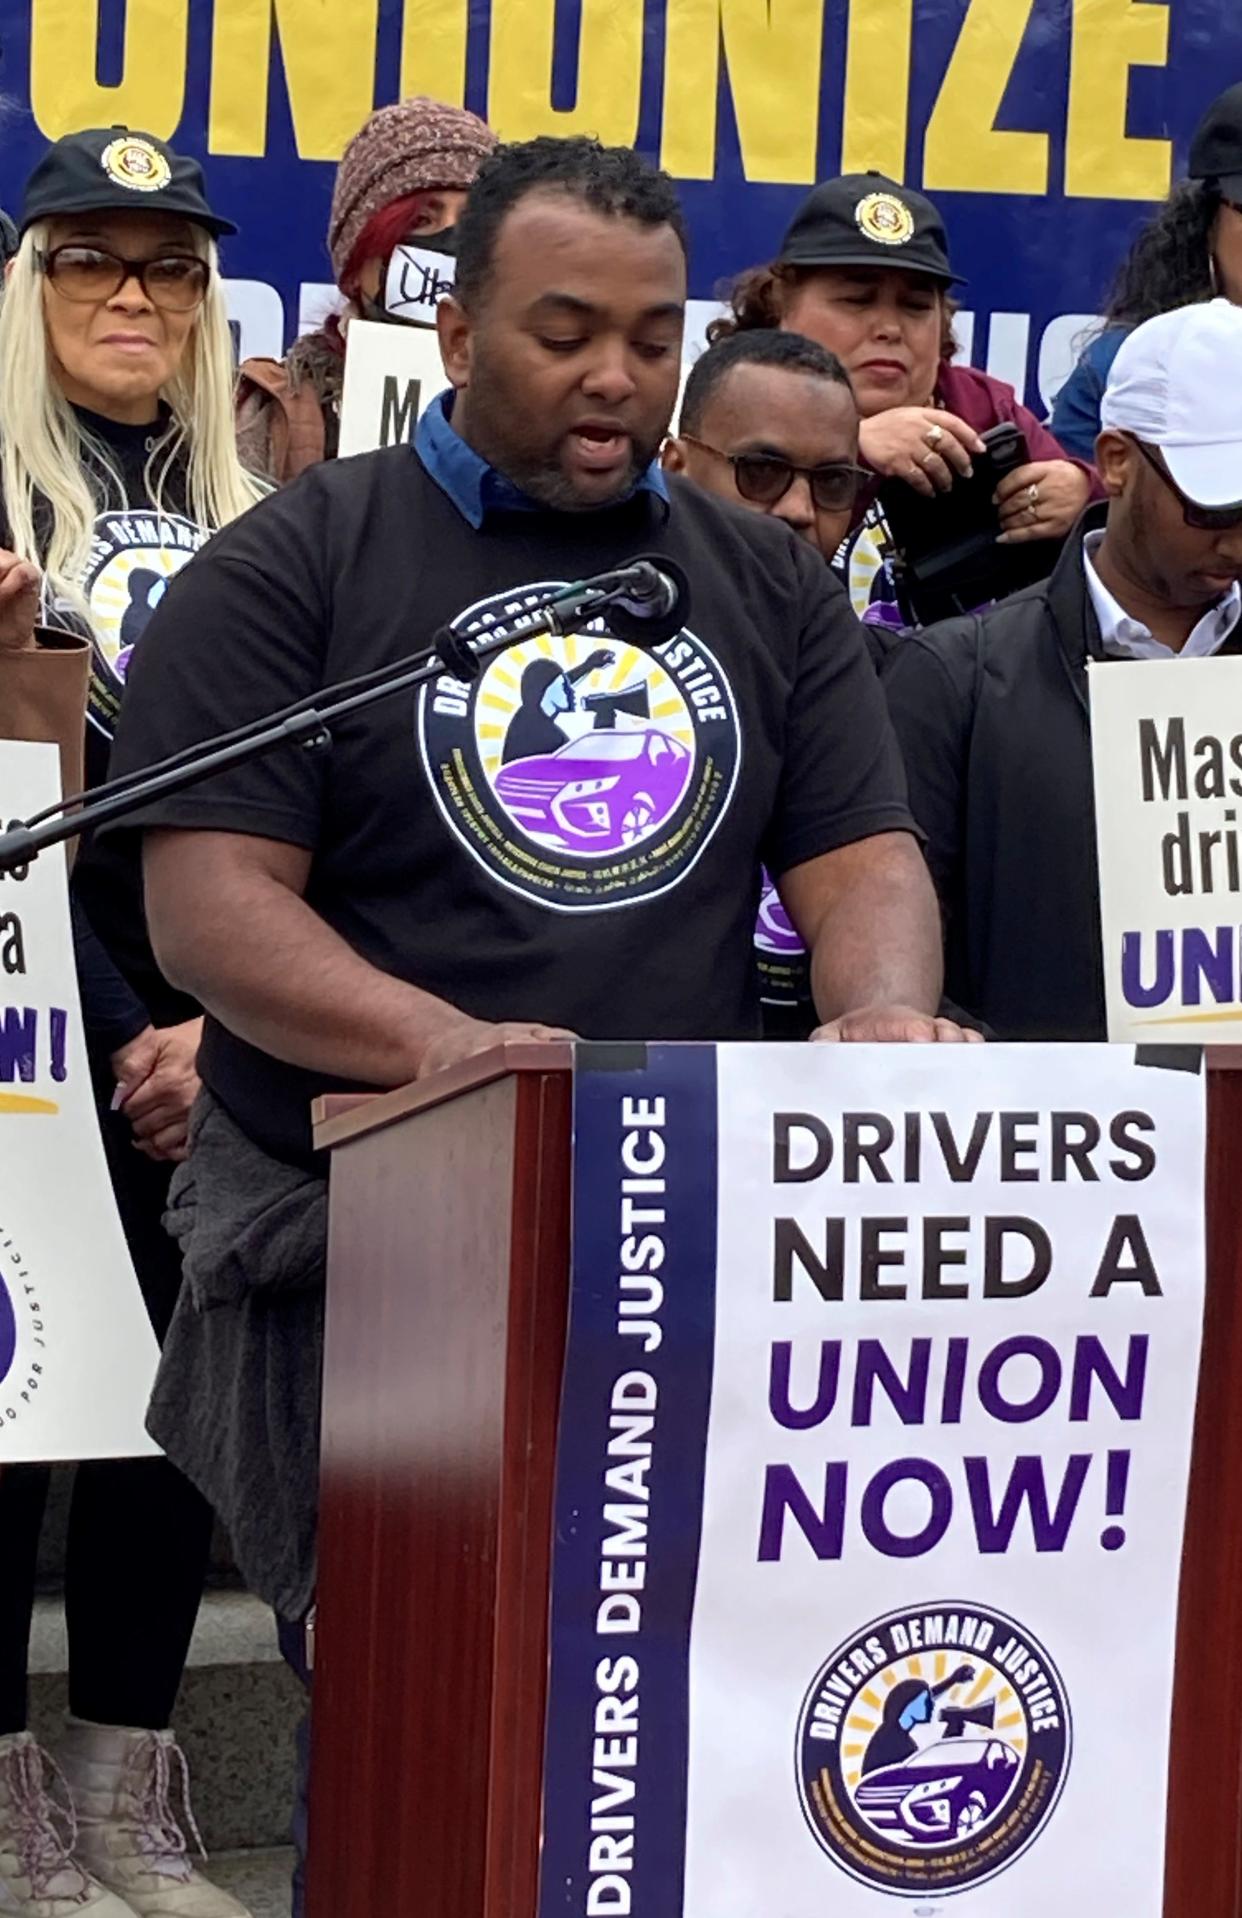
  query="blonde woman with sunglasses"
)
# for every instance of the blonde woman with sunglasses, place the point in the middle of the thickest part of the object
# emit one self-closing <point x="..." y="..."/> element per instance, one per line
<point x="117" y="462"/>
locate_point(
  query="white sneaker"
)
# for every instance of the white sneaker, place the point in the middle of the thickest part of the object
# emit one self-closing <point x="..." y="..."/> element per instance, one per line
<point x="39" y="1876"/>
<point x="128" y="1832"/>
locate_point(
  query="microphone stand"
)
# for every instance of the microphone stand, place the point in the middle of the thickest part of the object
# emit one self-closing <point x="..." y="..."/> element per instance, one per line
<point x="305" y="723"/>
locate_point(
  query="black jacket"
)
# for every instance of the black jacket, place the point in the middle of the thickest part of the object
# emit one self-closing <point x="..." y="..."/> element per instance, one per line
<point x="992" y="717"/>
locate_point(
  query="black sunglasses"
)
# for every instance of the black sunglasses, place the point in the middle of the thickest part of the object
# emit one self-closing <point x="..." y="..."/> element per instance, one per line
<point x="1205" y="519"/>
<point x="177" y="282"/>
<point x="765" y="478"/>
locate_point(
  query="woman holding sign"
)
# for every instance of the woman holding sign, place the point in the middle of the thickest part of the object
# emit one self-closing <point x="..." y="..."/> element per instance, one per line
<point x="117" y="461"/>
<point x="399" y="189"/>
<point x="43" y="674"/>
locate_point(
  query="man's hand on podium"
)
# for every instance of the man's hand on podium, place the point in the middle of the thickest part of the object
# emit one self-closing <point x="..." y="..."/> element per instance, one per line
<point x="461" y="1038"/>
<point x="893" y="1025"/>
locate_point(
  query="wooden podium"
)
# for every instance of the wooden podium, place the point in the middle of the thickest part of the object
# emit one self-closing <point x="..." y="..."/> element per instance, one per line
<point x="448" y="1288"/>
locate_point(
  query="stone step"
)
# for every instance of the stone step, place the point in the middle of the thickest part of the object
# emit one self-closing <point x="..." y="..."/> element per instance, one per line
<point x="260" y="1879"/>
<point x="236" y="1717"/>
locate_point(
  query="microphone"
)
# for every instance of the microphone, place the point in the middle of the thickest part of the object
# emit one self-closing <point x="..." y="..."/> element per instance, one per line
<point x="642" y="604"/>
<point x="652" y="601"/>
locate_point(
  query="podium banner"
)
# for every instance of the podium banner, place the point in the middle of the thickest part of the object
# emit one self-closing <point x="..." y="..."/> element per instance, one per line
<point x="77" y="1354"/>
<point x="871" y="1489"/>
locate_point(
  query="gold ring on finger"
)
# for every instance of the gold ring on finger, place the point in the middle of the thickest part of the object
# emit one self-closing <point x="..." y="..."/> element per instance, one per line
<point x="928" y="458"/>
<point x="934" y="435"/>
<point x="1032" y="493"/>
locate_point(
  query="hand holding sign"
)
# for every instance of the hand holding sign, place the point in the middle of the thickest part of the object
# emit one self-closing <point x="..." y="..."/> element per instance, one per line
<point x="20" y="582"/>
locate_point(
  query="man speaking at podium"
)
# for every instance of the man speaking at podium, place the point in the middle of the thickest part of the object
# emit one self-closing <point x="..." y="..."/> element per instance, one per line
<point x="453" y="873"/>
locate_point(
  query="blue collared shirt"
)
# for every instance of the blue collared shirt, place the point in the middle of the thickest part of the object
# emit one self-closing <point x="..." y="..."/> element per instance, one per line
<point x="475" y="488"/>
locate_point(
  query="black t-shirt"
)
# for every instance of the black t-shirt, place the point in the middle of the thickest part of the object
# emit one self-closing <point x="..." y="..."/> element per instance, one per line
<point x="135" y="551"/>
<point x="576" y="838"/>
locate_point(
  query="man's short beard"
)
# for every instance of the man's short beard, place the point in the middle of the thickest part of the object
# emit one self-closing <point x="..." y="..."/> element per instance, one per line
<point x="540" y="475"/>
<point x="548" y="482"/>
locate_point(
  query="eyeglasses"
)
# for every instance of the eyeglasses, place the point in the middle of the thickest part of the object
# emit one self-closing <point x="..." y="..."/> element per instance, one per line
<point x="176" y="282"/>
<point x="764" y="478"/>
<point x="1205" y="519"/>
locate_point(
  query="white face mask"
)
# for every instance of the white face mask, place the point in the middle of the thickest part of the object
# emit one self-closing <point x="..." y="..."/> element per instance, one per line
<point x="418" y="279"/>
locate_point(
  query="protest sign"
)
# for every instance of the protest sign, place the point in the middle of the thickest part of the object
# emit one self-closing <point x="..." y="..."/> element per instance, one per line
<point x="1168" y="782"/>
<point x="77" y="1354"/>
<point x="876" y="1434"/>
<point x="416" y="282"/>
<point x="392" y="374"/>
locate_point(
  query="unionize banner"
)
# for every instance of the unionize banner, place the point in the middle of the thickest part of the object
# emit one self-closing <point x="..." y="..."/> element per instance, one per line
<point x="77" y="1354"/>
<point x="1167" y="758"/>
<point x="876" y="1433"/>
<point x="1045" y="129"/>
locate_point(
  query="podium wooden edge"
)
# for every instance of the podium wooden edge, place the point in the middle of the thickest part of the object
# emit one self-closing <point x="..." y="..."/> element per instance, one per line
<point x="339" y="1117"/>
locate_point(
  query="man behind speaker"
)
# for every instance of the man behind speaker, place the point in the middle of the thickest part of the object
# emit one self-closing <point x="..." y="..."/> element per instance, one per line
<point x="373" y="914"/>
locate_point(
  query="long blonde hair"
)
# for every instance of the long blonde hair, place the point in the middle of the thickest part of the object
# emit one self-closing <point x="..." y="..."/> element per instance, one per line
<point x="48" y="498"/>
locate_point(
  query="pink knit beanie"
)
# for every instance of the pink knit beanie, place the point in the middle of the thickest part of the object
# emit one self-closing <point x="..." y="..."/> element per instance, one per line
<point x="411" y="147"/>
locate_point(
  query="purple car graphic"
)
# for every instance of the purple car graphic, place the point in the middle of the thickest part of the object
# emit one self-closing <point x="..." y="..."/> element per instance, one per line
<point x="773" y="931"/>
<point x="942" y="1795"/>
<point x="599" y="793"/>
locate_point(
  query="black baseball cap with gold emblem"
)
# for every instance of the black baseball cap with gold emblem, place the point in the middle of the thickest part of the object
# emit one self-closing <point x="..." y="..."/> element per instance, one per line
<point x="864" y="219"/>
<point x="107" y="169"/>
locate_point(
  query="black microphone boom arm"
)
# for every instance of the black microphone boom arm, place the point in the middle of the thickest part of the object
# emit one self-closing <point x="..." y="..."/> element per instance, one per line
<point x="307" y="722"/>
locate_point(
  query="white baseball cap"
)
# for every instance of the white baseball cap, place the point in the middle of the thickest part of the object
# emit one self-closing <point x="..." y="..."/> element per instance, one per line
<point x="1177" y="384"/>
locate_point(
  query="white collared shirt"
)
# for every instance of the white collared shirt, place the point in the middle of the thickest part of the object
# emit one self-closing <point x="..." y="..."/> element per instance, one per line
<point x="1127" y="638"/>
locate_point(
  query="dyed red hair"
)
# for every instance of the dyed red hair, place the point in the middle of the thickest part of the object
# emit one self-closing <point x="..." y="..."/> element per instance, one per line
<point x="383" y="232"/>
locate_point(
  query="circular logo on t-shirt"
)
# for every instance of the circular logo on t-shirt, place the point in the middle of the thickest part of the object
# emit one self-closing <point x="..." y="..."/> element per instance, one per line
<point x="932" y="1749"/>
<point x="581" y="771"/>
<point x="133" y="557"/>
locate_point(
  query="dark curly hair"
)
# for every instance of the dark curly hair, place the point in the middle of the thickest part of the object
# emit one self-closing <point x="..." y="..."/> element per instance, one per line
<point x="760" y="296"/>
<point x="1170" y="263"/>
<point x="610" y="180"/>
<point x="762" y="346"/>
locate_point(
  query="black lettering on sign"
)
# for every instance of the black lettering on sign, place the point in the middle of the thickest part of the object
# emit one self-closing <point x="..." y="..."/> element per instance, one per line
<point x="399" y="412"/>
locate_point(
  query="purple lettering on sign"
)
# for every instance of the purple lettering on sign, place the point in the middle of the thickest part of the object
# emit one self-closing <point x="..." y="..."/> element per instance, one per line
<point x="824" y="1530"/>
<point x="1091" y="1361"/>
<point x="907" y="1396"/>
<point x="1026" y="1485"/>
<point x="780" y="1405"/>
<point x="19" y="1031"/>
<point x="1013" y="1411"/>
<point x="876" y="1528"/>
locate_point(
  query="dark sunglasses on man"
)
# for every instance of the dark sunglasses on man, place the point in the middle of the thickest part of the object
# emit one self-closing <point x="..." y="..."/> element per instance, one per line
<point x="177" y="282"/>
<point x="765" y="478"/>
<point x="1205" y="519"/>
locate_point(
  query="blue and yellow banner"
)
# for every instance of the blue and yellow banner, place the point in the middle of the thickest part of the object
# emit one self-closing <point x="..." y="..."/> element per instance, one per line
<point x="1045" y="128"/>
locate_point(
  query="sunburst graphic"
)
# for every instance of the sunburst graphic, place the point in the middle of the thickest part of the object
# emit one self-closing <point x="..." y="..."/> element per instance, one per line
<point x="867" y="556"/>
<point x="116" y="592"/>
<point x="633" y="685"/>
<point x="987" y="1689"/>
